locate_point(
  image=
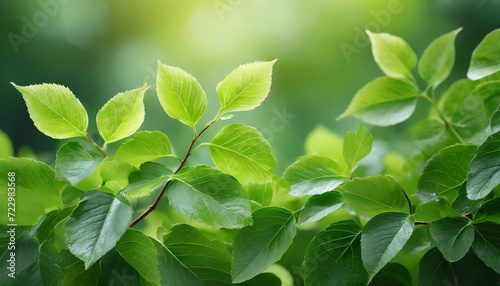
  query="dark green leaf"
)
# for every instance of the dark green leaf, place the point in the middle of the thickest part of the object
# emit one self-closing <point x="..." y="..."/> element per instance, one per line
<point x="488" y="210"/>
<point x="319" y="206"/>
<point x="462" y="204"/>
<point x="393" y="274"/>
<point x="495" y="121"/>
<point x="77" y="275"/>
<point x="43" y="230"/>
<point x="452" y="236"/>
<point x="51" y="265"/>
<point x="313" y="175"/>
<point x="334" y="257"/>
<point x="258" y="246"/>
<point x="487" y="244"/>
<point x="419" y="239"/>
<point x="434" y="210"/>
<point x="210" y="196"/>
<point x="116" y="271"/>
<point x="96" y="225"/>
<point x="484" y="170"/>
<point x="26" y="250"/>
<point x="382" y="238"/>
<point x="139" y="251"/>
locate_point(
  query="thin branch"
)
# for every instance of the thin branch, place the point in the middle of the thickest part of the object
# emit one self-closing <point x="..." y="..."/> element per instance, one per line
<point x="103" y="151"/>
<point x="188" y="153"/>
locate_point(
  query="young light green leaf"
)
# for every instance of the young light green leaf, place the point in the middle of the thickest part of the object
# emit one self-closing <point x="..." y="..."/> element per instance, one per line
<point x="374" y="195"/>
<point x="143" y="147"/>
<point x="495" y="121"/>
<point x="96" y="225"/>
<point x="6" y="148"/>
<point x="486" y="57"/>
<point x="487" y="90"/>
<point x="37" y="189"/>
<point x="322" y="141"/>
<point x="487" y="244"/>
<point x="55" y="110"/>
<point x="445" y="172"/>
<point x="122" y="115"/>
<point x="384" y="101"/>
<point x="261" y="193"/>
<point x="453" y="236"/>
<point x="139" y="251"/>
<point x="438" y="59"/>
<point x="393" y="54"/>
<point x="382" y="238"/>
<point x="189" y="258"/>
<point x="484" y="169"/>
<point x="180" y="94"/>
<point x="357" y="145"/>
<point x="313" y="175"/>
<point x="74" y="162"/>
<point x="210" y="196"/>
<point x="334" y="257"/>
<point x="149" y="179"/>
<point x="258" y="246"/>
<point x="241" y="151"/>
<point x="245" y="87"/>
<point x="319" y="206"/>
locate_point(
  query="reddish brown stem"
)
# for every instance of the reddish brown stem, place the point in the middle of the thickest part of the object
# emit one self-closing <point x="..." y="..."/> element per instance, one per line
<point x="421" y="222"/>
<point x="188" y="153"/>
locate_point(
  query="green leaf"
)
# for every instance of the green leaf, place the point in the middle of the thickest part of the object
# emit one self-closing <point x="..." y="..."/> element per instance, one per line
<point x="261" y="193"/>
<point x="96" y="225"/>
<point x="115" y="270"/>
<point x="149" y="179"/>
<point x="488" y="210"/>
<point x="55" y="110"/>
<point x="26" y="258"/>
<point x="50" y="264"/>
<point x="6" y="148"/>
<point x="382" y="238"/>
<point x="322" y="141"/>
<point x="357" y="145"/>
<point x="374" y="195"/>
<point x="462" y="204"/>
<point x="487" y="244"/>
<point x="241" y="151"/>
<point x="209" y="196"/>
<point x="495" y="121"/>
<point x="434" y="210"/>
<point x="334" y="257"/>
<point x="434" y="270"/>
<point x="267" y="279"/>
<point x="438" y="59"/>
<point x="384" y="101"/>
<point x="392" y="274"/>
<point x="143" y="147"/>
<point x="180" y="94"/>
<point x="487" y="91"/>
<point x="313" y="175"/>
<point x="484" y="169"/>
<point x="115" y="173"/>
<point x="74" y="162"/>
<point x="47" y="224"/>
<point x="122" y="115"/>
<point x="445" y="172"/>
<point x="245" y="87"/>
<point x="453" y="236"/>
<point x="189" y="258"/>
<point x="258" y="246"/>
<point x="37" y="190"/>
<point x="419" y="240"/>
<point x="465" y="111"/>
<point x="77" y="275"/>
<point x="486" y="57"/>
<point x="320" y="206"/>
<point x="139" y="251"/>
<point x="393" y="55"/>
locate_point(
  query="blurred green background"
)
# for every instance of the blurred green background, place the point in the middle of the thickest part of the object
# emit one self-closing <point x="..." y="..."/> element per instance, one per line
<point x="99" y="48"/>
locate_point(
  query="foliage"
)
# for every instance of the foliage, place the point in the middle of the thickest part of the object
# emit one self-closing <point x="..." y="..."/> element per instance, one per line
<point x="234" y="223"/>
